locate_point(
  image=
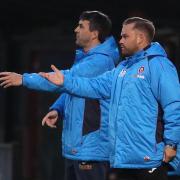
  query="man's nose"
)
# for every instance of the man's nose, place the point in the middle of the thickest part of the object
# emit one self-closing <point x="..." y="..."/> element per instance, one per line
<point x="76" y="29"/>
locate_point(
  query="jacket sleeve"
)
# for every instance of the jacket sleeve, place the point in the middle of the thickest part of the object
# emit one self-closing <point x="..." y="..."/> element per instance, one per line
<point x="166" y="88"/>
<point x="59" y="104"/>
<point x="96" y="88"/>
<point x="36" y="82"/>
<point x="94" y="66"/>
<point x="175" y="163"/>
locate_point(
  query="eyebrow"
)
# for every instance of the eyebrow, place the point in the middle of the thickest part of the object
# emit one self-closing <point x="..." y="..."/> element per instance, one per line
<point x="80" y="24"/>
<point x="122" y="34"/>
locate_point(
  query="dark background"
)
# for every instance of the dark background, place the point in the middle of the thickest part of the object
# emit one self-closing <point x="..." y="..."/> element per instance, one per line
<point x="35" y="34"/>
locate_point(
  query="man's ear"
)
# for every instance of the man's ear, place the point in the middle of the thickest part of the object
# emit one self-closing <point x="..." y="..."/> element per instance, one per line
<point x="141" y="38"/>
<point x="95" y="34"/>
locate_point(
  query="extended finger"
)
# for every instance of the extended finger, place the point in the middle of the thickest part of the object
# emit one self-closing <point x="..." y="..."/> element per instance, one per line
<point x="164" y="158"/>
<point x="5" y="73"/>
<point x="44" y="121"/>
<point x="53" y="67"/>
<point x="4" y="83"/>
<point x="8" y="85"/>
<point x="4" y="78"/>
<point x="50" y="124"/>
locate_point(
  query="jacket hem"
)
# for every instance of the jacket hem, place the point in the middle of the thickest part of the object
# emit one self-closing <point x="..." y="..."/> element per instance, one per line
<point x="90" y="158"/>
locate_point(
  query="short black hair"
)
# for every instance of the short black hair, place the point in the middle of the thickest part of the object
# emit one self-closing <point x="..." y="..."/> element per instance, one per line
<point x="98" y="21"/>
<point x="141" y="24"/>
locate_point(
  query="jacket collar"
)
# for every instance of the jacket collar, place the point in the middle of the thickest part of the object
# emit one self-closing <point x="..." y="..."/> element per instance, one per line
<point x="108" y="47"/>
<point x="154" y="49"/>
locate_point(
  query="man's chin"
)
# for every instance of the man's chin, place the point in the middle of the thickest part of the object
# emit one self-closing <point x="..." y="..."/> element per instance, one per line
<point x="123" y="53"/>
<point x="77" y="43"/>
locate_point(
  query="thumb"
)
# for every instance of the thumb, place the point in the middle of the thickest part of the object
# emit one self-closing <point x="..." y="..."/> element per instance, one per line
<point x="164" y="157"/>
<point x="43" y="121"/>
<point x="56" y="70"/>
<point x="42" y="74"/>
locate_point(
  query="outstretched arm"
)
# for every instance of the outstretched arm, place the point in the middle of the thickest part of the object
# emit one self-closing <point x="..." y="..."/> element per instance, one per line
<point x="99" y="87"/>
<point x="31" y="81"/>
<point x="92" y="67"/>
<point x="37" y="82"/>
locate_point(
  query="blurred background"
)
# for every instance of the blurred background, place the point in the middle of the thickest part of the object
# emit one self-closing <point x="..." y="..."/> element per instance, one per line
<point x="35" y="34"/>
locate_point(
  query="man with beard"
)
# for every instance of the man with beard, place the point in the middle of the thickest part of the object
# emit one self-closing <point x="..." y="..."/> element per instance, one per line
<point x="144" y="112"/>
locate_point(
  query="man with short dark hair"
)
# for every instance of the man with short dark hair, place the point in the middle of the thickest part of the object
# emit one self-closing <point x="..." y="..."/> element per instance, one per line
<point x="144" y="93"/>
<point x="85" y="144"/>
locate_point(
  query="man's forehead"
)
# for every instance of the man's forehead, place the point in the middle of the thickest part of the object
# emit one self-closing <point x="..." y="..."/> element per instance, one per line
<point x="127" y="28"/>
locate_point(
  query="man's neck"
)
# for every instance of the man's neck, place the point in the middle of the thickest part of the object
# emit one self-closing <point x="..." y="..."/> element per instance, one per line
<point x="145" y="46"/>
<point x="90" y="46"/>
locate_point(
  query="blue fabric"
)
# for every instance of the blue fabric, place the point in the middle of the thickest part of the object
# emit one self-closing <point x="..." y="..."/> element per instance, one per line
<point x="95" y="145"/>
<point x="59" y="105"/>
<point x="135" y="88"/>
<point x="175" y="164"/>
<point x="175" y="172"/>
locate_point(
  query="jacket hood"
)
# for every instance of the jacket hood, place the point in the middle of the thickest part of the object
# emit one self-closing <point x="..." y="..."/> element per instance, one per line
<point x="155" y="49"/>
<point x="108" y="47"/>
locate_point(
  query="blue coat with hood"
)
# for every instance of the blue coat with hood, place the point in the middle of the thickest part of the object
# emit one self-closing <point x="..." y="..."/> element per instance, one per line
<point x="144" y="113"/>
<point x="85" y="121"/>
